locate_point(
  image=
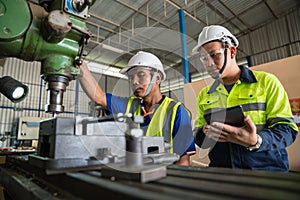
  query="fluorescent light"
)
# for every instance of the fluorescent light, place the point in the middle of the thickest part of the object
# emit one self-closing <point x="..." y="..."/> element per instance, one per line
<point x="107" y="47"/>
<point x="105" y="69"/>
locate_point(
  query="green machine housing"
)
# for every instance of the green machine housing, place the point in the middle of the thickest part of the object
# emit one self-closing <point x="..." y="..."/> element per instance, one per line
<point x="52" y="32"/>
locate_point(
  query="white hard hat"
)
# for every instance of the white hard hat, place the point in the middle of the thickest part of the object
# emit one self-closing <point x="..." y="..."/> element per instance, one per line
<point x="144" y="59"/>
<point x="215" y="32"/>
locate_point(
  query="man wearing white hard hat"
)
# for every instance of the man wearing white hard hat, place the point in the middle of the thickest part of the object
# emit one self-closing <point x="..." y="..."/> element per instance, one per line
<point x="163" y="116"/>
<point x="260" y="142"/>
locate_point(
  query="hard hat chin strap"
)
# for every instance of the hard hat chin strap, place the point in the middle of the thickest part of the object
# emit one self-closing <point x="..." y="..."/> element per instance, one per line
<point x="219" y="75"/>
<point x="150" y="86"/>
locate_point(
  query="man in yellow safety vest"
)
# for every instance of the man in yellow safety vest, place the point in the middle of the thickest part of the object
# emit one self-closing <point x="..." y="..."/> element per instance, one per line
<point x="163" y="116"/>
<point x="269" y="127"/>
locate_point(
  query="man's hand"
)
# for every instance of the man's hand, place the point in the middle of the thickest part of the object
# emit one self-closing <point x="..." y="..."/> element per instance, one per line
<point x="184" y="160"/>
<point x="91" y="86"/>
<point x="245" y="136"/>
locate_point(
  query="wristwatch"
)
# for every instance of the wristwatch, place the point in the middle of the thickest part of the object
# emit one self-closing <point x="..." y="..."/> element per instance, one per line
<point x="257" y="145"/>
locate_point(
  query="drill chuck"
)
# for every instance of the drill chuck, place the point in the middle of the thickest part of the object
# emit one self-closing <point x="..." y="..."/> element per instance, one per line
<point x="56" y="86"/>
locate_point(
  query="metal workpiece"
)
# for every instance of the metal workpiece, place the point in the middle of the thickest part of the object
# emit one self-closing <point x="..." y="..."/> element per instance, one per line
<point x="88" y="141"/>
<point x="134" y="154"/>
<point x="134" y="140"/>
<point x="61" y="140"/>
<point x="117" y="147"/>
<point x="135" y="168"/>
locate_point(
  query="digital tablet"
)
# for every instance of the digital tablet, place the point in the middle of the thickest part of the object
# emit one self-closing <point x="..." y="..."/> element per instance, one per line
<point x="233" y="116"/>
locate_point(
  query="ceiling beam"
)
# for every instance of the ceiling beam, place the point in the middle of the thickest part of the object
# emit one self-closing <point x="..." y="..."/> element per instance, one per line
<point x="142" y="13"/>
<point x="235" y="15"/>
<point x="270" y="9"/>
<point x="186" y="12"/>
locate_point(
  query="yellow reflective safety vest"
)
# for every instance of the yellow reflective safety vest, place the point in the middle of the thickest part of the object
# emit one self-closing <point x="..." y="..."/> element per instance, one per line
<point x="264" y="100"/>
<point x="163" y="119"/>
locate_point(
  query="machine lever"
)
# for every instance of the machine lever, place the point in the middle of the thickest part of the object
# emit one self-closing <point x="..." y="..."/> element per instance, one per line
<point x="79" y="61"/>
<point x="84" y="41"/>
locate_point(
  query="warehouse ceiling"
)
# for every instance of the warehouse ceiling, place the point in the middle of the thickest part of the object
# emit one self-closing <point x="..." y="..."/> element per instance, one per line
<point x="122" y="27"/>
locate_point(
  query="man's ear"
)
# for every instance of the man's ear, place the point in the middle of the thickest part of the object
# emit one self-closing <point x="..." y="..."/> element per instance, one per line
<point x="159" y="78"/>
<point x="232" y="52"/>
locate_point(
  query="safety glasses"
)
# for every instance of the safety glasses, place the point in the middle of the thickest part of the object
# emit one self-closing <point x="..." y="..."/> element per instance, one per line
<point x="141" y="74"/>
<point x="215" y="55"/>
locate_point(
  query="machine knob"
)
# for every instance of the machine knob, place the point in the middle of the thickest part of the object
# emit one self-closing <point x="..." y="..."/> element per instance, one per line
<point x="78" y="62"/>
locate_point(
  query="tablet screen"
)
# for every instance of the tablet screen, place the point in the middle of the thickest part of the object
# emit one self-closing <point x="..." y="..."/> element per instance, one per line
<point x="233" y="116"/>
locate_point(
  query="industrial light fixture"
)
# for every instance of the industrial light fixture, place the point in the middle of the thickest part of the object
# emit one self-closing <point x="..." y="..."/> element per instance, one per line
<point x="14" y="90"/>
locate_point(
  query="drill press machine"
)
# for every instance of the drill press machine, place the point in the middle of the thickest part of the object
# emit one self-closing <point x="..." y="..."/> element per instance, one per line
<point x="53" y="32"/>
